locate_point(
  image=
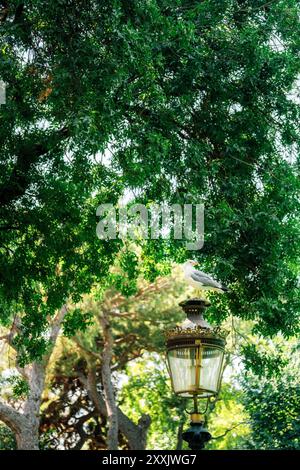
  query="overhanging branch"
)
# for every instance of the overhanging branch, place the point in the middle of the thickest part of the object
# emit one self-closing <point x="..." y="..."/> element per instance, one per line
<point x="28" y="155"/>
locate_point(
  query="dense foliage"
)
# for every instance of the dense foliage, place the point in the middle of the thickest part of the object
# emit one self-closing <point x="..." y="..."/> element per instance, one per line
<point x="193" y="99"/>
<point x="176" y="101"/>
<point x="273" y="405"/>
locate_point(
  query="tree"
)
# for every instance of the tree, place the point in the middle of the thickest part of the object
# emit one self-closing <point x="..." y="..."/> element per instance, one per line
<point x="194" y="102"/>
<point x="134" y="325"/>
<point x="24" y="423"/>
<point x="148" y="390"/>
<point x="273" y="405"/>
<point x="225" y="132"/>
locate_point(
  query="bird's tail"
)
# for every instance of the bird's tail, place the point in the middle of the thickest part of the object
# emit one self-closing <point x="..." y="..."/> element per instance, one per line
<point x="224" y="288"/>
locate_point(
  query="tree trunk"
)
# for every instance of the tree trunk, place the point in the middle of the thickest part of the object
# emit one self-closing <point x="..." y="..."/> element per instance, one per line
<point x="136" y="434"/>
<point x="28" y="436"/>
<point x="25" y="425"/>
<point x="109" y="396"/>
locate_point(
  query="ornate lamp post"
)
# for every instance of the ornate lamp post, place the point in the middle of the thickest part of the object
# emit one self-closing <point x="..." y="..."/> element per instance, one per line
<point x="195" y="352"/>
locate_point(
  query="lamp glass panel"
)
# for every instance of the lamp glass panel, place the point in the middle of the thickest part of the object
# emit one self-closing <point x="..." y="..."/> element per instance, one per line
<point x="211" y="362"/>
<point x="182" y="362"/>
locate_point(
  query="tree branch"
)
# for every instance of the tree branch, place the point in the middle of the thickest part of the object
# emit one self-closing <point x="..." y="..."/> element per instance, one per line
<point x="12" y="418"/>
<point x="231" y="429"/>
<point x="28" y="155"/>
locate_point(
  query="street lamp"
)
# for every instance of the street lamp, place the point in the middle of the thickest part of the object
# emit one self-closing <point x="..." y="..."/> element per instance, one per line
<point x="195" y="353"/>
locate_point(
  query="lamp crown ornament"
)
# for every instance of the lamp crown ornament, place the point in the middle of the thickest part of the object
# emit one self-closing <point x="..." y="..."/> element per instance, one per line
<point x="195" y="324"/>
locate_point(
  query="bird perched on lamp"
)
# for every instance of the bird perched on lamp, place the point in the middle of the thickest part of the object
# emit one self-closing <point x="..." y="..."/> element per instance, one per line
<point x="201" y="280"/>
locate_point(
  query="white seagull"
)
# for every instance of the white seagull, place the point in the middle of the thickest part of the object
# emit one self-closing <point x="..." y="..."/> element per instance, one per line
<point x="201" y="280"/>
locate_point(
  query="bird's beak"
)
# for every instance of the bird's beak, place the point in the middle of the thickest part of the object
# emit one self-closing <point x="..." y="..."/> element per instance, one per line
<point x="195" y="263"/>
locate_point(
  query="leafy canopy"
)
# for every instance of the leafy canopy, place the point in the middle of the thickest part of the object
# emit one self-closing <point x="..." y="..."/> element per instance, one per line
<point x="195" y="102"/>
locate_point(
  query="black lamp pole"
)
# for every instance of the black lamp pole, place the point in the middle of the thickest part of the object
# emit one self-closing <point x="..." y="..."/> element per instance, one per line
<point x="196" y="436"/>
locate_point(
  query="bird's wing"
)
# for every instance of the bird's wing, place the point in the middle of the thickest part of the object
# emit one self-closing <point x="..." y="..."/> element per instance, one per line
<point x="206" y="280"/>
